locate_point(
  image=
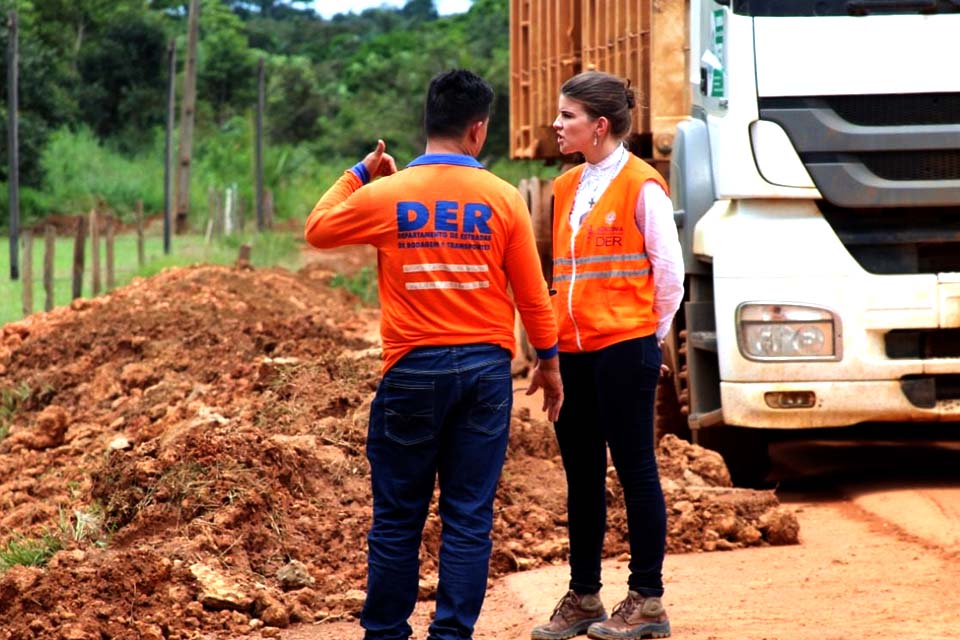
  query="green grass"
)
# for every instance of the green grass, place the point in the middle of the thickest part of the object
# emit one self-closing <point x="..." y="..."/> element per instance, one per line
<point x="10" y="401"/>
<point x="515" y="170"/>
<point x="82" y="173"/>
<point x="31" y="552"/>
<point x="267" y="249"/>
<point x="362" y="284"/>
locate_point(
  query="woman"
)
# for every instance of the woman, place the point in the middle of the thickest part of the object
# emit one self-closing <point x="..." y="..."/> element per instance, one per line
<point x="618" y="276"/>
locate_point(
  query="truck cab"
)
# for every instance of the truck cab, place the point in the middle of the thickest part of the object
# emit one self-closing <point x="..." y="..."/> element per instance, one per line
<point x="817" y="189"/>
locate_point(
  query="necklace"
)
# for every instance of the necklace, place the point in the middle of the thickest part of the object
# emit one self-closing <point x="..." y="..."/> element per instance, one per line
<point x="598" y="179"/>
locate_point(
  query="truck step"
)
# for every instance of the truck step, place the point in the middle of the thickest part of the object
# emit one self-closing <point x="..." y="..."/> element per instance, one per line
<point x="705" y="340"/>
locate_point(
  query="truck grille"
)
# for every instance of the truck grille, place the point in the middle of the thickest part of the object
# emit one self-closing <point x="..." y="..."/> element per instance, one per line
<point x="898" y="240"/>
<point x="893" y="110"/>
<point x="876" y="151"/>
<point x="914" y="165"/>
<point x="912" y="344"/>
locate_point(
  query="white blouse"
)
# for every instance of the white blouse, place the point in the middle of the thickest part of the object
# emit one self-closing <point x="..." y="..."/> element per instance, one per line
<point x="653" y="215"/>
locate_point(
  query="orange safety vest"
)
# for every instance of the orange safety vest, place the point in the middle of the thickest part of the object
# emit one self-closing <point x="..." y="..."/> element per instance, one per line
<point x="602" y="275"/>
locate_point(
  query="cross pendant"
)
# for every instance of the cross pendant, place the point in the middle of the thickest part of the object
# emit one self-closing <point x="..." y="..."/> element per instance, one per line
<point x="591" y="202"/>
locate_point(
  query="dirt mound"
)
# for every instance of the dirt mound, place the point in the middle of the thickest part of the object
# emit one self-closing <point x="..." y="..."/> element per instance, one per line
<point x="188" y="451"/>
<point x="199" y="418"/>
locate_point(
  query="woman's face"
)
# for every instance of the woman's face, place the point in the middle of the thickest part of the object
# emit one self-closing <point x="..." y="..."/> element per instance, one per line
<point x="574" y="127"/>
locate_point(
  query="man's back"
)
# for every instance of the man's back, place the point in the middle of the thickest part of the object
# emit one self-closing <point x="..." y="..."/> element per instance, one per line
<point x="450" y="236"/>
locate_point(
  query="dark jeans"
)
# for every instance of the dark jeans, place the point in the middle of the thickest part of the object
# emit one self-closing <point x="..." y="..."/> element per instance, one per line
<point x="609" y="400"/>
<point x="439" y="413"/>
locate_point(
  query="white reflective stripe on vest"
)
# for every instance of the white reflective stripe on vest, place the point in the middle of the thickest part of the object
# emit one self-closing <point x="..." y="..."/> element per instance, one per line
<point x="440" y="266"/>
<point x="447" y="284"/>
<point x="593" y="275"/>
<point x="620" y="257"/>
<point x="433" y="267"/>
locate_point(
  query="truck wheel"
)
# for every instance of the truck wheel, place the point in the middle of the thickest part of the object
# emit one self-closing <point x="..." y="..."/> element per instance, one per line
<point x="541" y="212"/>
<point x="669" y="418"/>
<point x="746" y="452"/>
<point x="670" y="415"/>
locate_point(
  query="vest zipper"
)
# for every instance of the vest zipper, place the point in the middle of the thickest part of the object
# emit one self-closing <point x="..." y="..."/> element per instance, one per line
<point x="573" y="282"/>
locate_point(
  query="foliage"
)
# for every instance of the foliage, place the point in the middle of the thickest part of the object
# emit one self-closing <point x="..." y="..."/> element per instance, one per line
<point x="93" y="94"/>
<point x="362" y="284"/>
<point x="119" y="95"/>
<point x="225" y="77"/>
<point x="513" y="171"/>
<point x="81" y="173"/>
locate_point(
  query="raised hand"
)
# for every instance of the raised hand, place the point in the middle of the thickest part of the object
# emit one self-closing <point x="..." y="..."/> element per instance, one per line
<point x="379" y="163"/>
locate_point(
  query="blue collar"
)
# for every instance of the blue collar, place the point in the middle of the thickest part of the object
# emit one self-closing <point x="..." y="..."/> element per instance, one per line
<point x="447" y="158"/>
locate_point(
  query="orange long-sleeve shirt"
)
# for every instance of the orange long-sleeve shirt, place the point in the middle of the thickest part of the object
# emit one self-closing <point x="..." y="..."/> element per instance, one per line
<point x="450" y="238"/>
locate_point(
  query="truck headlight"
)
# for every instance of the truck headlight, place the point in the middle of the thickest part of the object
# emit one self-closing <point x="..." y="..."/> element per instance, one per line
<point x="771" y="331"/>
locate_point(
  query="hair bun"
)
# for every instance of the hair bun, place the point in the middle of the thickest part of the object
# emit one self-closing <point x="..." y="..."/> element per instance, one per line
<point x="629" y="95"/>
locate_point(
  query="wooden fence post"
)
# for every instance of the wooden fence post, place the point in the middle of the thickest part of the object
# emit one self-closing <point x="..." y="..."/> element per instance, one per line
<point x="229" y="204"/>
<point x="50" y="244"/>
<point x="240" y="213"/>
<point x="258" y="153"/>
<point x="213" y="213"/>
<point x="188" y="106"/>
<point x="141" y="251"/>
<point x="110" y="257"/>
<point x="243" y="257"/>
<point x="94" y="254"/>
<point x="27" y="272"/>
<point x="268" y="208"/>
<point x="13" y="142"/>
<point x="168" y="153"/>
<point x="78" y="248"/>
<point x="524" y="191"/>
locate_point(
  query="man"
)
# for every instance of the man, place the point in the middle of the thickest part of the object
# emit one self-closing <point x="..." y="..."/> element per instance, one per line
<point x="450" y="237"/>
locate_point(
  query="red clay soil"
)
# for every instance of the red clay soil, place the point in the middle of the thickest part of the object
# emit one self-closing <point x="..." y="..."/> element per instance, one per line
<point x="190" y="450"/>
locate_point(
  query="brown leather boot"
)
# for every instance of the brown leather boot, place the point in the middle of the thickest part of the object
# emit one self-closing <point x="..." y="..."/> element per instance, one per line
<point x="571" y="617"/>
<point x="635" y="617"/>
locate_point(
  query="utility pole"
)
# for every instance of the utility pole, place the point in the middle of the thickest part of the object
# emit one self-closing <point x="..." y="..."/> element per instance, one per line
<point x="168" y="145"/>
<point x="259" y="145"/>
<point x="13" y="146"/>
<point x="187" y="112"/>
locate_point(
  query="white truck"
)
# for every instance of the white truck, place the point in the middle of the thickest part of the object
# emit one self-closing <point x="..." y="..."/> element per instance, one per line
<point x="817" y="186"/>
<point x="816" y="182"/>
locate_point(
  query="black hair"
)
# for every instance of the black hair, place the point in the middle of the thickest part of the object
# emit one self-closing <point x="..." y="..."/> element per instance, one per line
<point x="455" y="99"/>
<point x="602" y="94"/>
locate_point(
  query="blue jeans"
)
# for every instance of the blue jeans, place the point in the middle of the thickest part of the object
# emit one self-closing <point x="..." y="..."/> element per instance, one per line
<point x="439" y="413"/>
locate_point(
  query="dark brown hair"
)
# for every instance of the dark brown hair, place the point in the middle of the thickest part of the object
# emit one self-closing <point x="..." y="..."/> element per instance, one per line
<point x="456" y="98"/>
<point x="602" y="94"/>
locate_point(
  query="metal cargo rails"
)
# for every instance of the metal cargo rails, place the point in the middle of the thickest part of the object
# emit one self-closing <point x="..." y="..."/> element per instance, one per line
<point x="544" y="51"/>
<point x="643" y="40"/>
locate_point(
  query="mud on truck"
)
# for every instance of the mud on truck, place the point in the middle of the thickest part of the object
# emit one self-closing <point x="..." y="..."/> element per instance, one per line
<point x="813" y="155"/>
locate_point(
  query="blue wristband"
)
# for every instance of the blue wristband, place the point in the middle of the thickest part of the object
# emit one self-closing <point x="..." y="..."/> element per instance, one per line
<point x="360" y="170"/>
<point x="543" y="354"/>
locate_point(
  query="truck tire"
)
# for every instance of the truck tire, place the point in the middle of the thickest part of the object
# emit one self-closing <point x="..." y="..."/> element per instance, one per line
<point x="541" y="213"/>
<point x="669" y="416"/>
<point x="745" y="451"/>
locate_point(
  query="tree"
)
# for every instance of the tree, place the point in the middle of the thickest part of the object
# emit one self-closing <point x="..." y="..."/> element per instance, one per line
<point x="226" y="67"/>
<point x="121" y="90"/>
<point x="420" y="10"/>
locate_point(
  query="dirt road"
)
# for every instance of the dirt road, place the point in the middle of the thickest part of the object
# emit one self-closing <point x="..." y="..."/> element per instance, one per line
<point x="879" y="558"/>
<point x="191" y="435"/>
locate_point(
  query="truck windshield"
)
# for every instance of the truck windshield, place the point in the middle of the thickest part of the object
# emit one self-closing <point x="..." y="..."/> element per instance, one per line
<point x="783" y="8"/>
